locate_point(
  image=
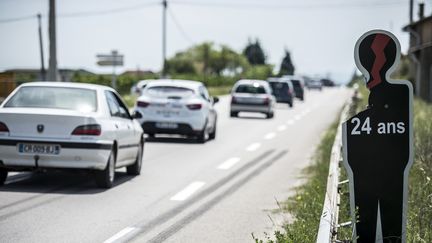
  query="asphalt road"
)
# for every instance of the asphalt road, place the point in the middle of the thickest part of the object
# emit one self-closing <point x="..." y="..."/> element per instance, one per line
<point x="220" y="191"/>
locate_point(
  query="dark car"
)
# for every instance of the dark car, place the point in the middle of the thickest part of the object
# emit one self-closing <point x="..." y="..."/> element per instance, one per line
<point x="283" y="90"/>
<point x="298" y="85"/>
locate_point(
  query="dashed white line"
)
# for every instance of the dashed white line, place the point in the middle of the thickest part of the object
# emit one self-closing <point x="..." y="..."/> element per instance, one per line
<point x="281" y="128"/>
<point x="270" y="135"/>
<point x="228" y="163"/>
<point x="297" y="117"/>
<point x="120" y="234"/>
<point x="290" y="122"/>
<point x="188" y="191"/>
<point x="253" y="147"/>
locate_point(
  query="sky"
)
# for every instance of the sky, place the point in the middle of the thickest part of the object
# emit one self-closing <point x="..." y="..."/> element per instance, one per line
<point x="319" y="34"/>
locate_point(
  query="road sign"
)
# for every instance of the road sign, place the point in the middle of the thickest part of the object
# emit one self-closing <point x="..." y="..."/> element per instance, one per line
<point x="114" y="59"/>
<point x="378" y="144"/>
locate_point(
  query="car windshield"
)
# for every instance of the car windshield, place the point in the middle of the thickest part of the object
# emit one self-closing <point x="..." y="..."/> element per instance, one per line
<point x="78" y="99"/>
<point x="169" y="91"/>
<point x="251" y="89"/>
<point x="278" y="86"/>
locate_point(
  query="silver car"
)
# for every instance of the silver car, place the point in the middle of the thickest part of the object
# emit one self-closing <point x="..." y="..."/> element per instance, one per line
<point x="252" y="96"/>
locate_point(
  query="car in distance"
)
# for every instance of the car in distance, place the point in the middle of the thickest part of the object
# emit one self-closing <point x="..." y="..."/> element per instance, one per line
<point x="314" y="84"/>
<point x="182" y="107"/>
<point x="298" y="84"/>
<point x="250" y="95"/>
<point x="283" y="90"/>
<point x="56" y="125"/>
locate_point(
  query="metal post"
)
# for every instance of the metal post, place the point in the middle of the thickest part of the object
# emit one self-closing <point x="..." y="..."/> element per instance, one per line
<point x="52" y="69"/>
<point x="165" y="5"/>
<point x="43" y="72"/>
<point x="411" y="3"/>
<point x="114" y="78"/>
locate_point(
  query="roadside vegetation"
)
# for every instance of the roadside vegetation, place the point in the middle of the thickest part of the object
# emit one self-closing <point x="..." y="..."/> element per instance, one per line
<point x="306" y="205"/>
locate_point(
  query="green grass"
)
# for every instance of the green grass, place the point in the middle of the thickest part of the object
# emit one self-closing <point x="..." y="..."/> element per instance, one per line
<point x="219" y="90"/>
<point x="306" y="205"/>
<point x="129" y="100"/>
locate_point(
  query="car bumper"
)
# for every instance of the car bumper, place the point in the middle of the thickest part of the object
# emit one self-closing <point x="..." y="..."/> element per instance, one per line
<point x="72" y="155"/>
<point x="182" y="129"/>
<point x="250" y="108"/>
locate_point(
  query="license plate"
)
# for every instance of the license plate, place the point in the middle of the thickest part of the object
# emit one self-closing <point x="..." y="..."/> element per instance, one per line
<point x="27" y="148"/>
<point x="167" y="113"/>
<point x="166" y="125"/>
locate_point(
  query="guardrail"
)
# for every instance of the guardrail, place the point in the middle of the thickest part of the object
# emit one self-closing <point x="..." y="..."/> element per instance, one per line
<point x="329" y="225"/>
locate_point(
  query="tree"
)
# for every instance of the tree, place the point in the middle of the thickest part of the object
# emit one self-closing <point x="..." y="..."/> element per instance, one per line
<point x="254" y="53"/>
<point x="287" y="67"/>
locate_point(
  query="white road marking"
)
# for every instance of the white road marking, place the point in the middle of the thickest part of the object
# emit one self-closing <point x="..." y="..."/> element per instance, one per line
<point x="228" y="163"/>
<point x="253" y="147"/>
<point x="270" y="135"/>
<point x="281" y="128"/>
<point x="297" y="117"/>
<point x="290" y="122"/>
<point x="188" y="191"/>
<point x="120" y="234"/>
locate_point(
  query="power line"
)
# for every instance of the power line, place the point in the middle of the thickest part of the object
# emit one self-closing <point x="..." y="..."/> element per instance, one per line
<point x="86" y="13"/>
<point x="179" y="27"/>
<point x="109" y="11"/>
<point x="17" y="19"/>
<point x="261" y="6"/>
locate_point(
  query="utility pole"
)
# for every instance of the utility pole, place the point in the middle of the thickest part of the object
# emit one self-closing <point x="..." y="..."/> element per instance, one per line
<point x="411" y="3"/>
<point x="43" y="73"/>
<point x="164" y="5"/>
<point x="52" y="69"/>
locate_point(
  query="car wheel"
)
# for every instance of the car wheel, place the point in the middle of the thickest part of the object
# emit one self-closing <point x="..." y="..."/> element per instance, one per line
<point x="270" y="115"/>
<point x="105" y="178"/>
<point x="135" y="168"/>
<point x="233" y="114"/>
<point x="201" y="138"/>
<point x="3" y="176"/>
<point x="212" y="135"/>
<point x="290" y="104"/>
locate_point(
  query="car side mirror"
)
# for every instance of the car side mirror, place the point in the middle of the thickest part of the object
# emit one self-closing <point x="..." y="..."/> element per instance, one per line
<point x="137" y="115"/>
<point x="215" y="100"/>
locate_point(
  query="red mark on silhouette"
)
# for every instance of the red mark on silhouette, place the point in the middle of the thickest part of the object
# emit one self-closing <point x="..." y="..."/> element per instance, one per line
<point x="378" y="45"/>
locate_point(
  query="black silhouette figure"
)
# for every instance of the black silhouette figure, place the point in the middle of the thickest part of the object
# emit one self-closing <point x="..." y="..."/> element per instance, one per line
<point x="377" y="143"/>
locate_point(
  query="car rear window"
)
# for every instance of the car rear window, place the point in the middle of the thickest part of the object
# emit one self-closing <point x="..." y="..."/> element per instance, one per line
<point x="169" y="91"/>
<point x="251" y="89"/>
<point x="78" y="99"/>
<point x="278" y="86"/>
<point x="295" y="82"/>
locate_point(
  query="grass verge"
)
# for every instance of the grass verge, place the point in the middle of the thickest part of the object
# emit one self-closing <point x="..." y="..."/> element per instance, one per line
<point x="306" y="205"/>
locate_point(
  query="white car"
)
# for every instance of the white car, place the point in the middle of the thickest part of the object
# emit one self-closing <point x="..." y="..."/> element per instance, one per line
<point x="250" y="95"/>
<point x="60" y="125"/>
<point x="177" y="107"/>
<point x="137" y="89"/>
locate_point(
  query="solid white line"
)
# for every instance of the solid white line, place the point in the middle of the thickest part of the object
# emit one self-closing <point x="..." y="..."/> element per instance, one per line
<point x="253" y="147"/>
<point x="270" y="135"/>
<point x="281" y="128"/>
<point x="228" y="163"/>
<point x="120" y="234"/>
<point x="188" y="191"/>
<point x="290" y="122"/>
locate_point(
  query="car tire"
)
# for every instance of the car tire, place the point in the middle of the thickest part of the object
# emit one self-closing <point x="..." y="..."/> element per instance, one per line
<point x="135" y="168"/>
<point x="105" y="178"/>
<point x="3" y="176"/>
<point x="270" y="115"/>
<point x="201" y="138"/>
<point x="290" y="104"/>
<point x="233" y="114"/>
<point x="212" y="135"/>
